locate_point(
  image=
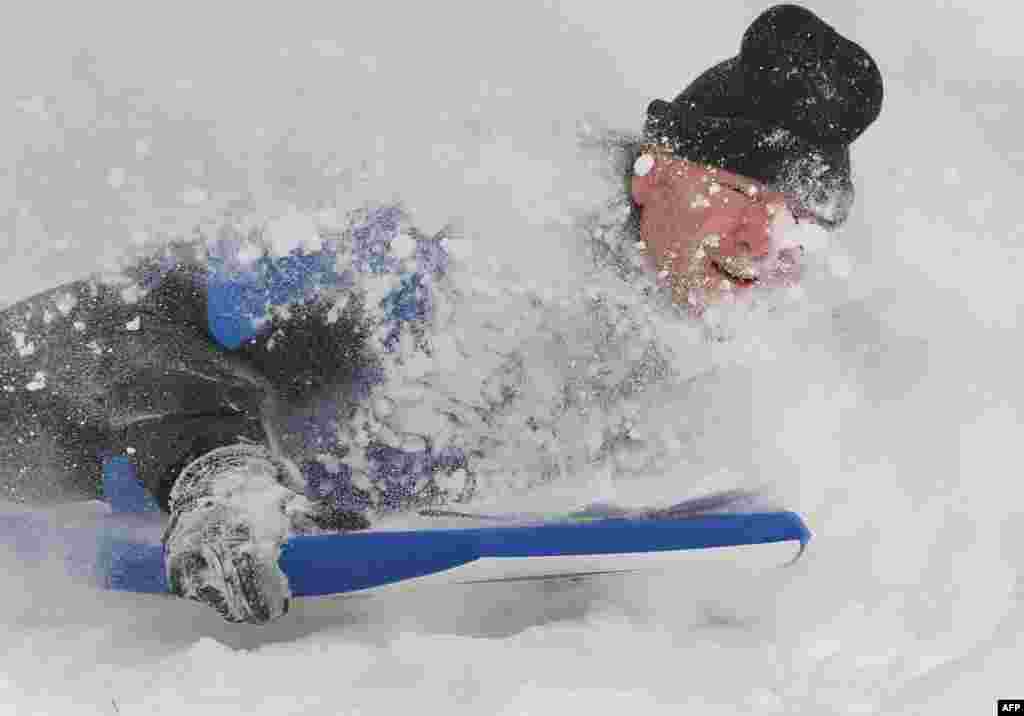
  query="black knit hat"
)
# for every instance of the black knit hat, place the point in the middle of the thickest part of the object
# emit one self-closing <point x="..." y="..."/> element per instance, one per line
<point x="784" y="111"/>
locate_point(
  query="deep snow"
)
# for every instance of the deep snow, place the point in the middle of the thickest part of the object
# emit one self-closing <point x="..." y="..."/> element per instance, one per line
<point x="884" y="405"/>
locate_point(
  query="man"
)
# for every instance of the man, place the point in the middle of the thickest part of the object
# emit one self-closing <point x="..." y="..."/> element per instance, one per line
<point x="778" y="119"/>
<point x="262" y="392"/>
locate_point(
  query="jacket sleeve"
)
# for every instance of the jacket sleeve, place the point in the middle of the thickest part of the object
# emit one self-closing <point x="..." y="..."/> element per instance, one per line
<point x="92" y="370"/>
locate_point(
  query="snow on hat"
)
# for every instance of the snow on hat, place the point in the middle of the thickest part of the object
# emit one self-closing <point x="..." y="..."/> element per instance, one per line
<point x="783" y="111"/>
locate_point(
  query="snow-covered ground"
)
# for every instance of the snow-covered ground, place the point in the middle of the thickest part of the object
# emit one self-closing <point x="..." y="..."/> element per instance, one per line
<point x="884" y="406"/>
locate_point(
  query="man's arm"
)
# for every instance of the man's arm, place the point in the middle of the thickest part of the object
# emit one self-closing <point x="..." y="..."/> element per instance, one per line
<point x="91" y="370"/>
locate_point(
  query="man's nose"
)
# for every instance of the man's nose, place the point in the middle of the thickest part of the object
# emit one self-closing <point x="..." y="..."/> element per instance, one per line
<point x="752" y="235"/>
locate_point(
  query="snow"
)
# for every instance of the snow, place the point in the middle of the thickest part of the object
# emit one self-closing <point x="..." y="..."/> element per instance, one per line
<point x="290" y="231"/>
<point x="25" y="348"/>
<point x="193" y="195"/>
<point x="116" y="177"/>
<point x="643" y="165"/>
<point x="38" y="382"/>
<point x="881" y="399"/>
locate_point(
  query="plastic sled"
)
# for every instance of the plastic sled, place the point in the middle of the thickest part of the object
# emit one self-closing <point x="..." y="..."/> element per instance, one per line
<point x="117" y="546"/>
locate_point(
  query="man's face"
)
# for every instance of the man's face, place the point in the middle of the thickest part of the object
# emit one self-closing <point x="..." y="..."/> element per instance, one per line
<point x="709" y="233"/>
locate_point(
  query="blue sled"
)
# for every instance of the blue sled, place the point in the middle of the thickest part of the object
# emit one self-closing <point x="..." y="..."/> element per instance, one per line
<point x="118" y="547"/>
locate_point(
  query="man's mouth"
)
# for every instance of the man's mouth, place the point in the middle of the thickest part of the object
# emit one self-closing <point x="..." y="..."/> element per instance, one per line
<point x="748" y="271"/>
<point x="739" y="269"/>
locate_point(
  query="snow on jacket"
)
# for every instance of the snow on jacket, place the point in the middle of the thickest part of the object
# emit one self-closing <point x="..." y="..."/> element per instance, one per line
<point x="387" y="370"/>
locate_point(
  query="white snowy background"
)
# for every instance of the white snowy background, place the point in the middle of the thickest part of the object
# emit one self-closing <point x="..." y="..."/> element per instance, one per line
<point x="885" y="407"/>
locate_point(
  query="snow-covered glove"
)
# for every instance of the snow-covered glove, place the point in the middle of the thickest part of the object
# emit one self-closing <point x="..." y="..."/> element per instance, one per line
<point x="230" y="514"/>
